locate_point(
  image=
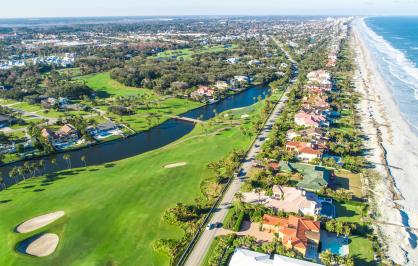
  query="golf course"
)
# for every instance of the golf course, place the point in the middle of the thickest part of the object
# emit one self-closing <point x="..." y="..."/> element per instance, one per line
<point x="113" y="212"/>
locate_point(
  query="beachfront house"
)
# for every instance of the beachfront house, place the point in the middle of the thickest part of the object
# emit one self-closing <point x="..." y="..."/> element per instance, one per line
<point x="295" y="200"/>
<point x="314" y="177"/>
<point x="245" y="257"/>
<point x="310" y="119"/>
<point x="312" y="133"/>
<point x="297" y="233"/>
<point x="304" y="151"/>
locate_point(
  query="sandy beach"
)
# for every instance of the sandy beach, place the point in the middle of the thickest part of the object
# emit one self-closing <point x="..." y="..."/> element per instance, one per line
<point x="393" y="151"/>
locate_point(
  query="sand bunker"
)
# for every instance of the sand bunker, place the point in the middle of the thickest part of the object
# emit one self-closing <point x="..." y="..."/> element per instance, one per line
<point x="43" y="246"/>
<point x="38" y="222"/>
<point x="173" y="165"/>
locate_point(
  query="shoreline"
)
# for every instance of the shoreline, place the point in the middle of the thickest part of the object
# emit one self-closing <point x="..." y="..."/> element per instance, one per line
<point x="391" y="144"/>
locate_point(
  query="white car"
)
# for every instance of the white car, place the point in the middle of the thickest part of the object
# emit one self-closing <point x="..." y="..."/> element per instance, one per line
<point x="210" y="226"/>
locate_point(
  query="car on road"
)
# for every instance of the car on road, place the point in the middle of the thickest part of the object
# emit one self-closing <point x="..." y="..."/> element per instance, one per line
<point x="210" y="226"/>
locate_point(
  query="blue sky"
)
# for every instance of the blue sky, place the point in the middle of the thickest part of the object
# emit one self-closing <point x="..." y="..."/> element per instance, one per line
<point x="58" y="8"/>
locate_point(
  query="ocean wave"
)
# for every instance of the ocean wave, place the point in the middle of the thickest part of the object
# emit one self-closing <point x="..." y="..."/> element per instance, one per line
<point x="399" y="66"/>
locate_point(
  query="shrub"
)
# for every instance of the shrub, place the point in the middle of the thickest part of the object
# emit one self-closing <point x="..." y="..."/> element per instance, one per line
<point x="238" y="222"/>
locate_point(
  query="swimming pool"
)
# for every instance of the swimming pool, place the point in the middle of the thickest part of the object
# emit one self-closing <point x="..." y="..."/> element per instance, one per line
<point x="328" y="209"/>
<point x="337" y="245"/>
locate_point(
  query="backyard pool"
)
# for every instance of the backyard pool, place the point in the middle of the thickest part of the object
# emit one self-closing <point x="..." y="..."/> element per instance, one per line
<point x="328" y="209"/>
<point x="337" y="245"/>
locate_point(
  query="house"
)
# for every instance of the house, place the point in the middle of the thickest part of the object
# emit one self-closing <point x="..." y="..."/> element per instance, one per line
<point x="203" y="91"/>
<point x="254" y="62"/>
<point x="102" y="129"/>
<point x="232" y="60"/>
<point x="245" y="257"/>
<point x="5" y="120"/>
<point x="221" y="85"/>
<point x="106" y="127"/>
<point x="63" y="101"/>
<point x="64" y="135"/>
<point x="305" y="151"/>
<point x="310" y="120"/>
<point x="318" y="76"/>
<point x="296" y="233"/>
<point x="321" y="78"/>
<point x="291" y="199"/>
<point x="50" y="102"/>
<point x="312" y="133"/>
<point x="242" y="79"/>
<point x="317" y="101"/>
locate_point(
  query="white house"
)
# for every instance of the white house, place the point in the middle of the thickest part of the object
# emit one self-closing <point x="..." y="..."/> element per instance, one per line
<point x="244" y="257"/>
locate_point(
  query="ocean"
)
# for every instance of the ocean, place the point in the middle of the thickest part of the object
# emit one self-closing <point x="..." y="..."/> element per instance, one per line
<point x="393" y="43"/>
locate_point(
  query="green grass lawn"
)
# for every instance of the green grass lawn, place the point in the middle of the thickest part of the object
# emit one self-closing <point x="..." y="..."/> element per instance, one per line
<point x="187" y="53"/>
<point x="106" y="87"/>
<point x="113" y="212"/>
<point x="360" y="246"/>
<point x="349" y="181"/>
<point x="166" y="109"/>
<point x="349" y="211"/>
<point x="361" y="250"/>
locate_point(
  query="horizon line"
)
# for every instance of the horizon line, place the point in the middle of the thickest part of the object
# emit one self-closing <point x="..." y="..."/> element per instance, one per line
<point x="217" y="15"/>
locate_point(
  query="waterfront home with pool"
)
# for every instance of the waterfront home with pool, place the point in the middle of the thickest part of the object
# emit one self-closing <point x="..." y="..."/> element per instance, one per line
<point x="64" y="136"/>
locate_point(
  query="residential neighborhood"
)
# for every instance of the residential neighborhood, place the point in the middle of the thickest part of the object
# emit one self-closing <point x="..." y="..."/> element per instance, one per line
<point x="189" y="140"/>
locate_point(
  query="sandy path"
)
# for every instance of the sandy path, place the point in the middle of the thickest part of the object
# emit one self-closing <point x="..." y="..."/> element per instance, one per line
<point x="39" y="221"/>
<point x="174" y="165"/>
<point x="392" y="147"/>
<point x="43" y="246"/>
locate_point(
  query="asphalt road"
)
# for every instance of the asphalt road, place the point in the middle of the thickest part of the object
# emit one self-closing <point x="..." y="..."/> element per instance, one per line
<point x="197" y="256"/>
<point x="200" y="249"/>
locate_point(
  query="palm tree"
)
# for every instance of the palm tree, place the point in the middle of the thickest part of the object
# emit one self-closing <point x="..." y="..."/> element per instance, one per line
<point x="14" y="173"/>
<point x="2" y="182"/>
<point x="22" y="171"/>
<point x="83" y="159"/>
<point x="239" y="197"/>
<point x="41" y="164"/>
<point x="54" y="161"/>
<point x="258" y="191"/>
<point x="67" y="158"/>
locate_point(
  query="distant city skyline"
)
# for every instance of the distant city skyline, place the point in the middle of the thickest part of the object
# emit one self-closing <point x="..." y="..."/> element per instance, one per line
<point x="91" y="8"/>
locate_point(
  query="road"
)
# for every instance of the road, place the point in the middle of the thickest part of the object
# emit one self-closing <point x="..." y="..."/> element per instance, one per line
<point x="198" y="254"/>
<point x="200" y="249"/>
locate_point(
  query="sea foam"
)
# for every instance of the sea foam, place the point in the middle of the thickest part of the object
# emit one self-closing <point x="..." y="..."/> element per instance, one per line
<point x="400" y="73"/>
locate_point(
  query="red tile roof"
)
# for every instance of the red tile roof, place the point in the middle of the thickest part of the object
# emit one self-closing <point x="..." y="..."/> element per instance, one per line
<point x="296" y="230"/>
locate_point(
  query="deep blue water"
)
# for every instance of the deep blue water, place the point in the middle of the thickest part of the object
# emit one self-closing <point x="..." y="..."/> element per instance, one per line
<point x="393" y="43"/>
<point x="400" y="32"/>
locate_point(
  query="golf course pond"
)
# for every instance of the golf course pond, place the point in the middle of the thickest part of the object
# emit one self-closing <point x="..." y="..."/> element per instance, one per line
<point x="157" y="137"/>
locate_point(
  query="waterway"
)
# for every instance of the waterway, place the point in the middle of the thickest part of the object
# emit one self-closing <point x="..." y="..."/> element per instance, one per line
<point x="155" y="138"/>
